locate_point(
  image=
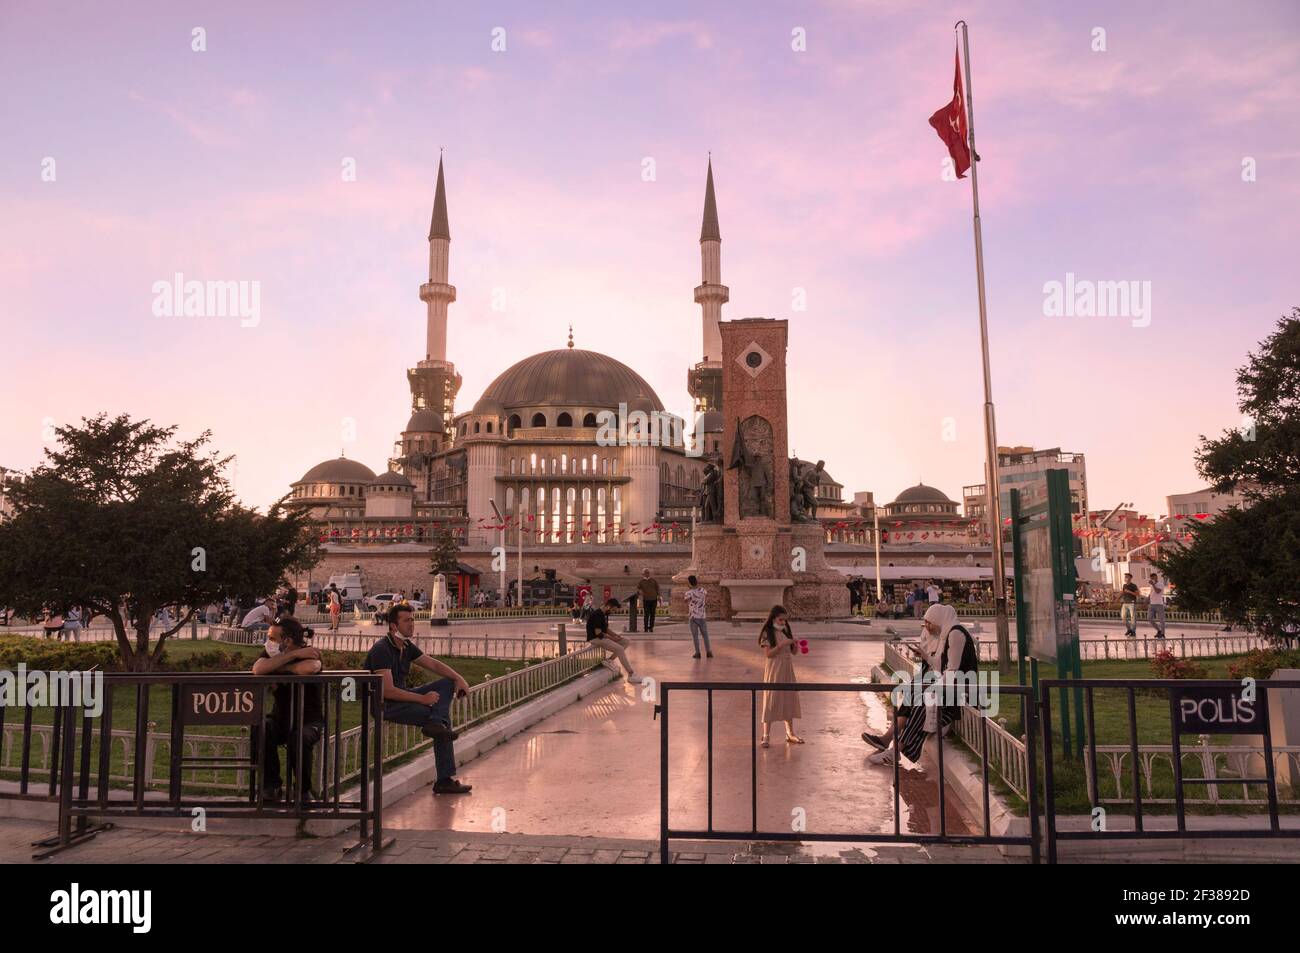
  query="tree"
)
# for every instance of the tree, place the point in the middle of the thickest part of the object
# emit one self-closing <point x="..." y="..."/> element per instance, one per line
<point x="446" y="554"/>
<point x="1246" y="561"/>
<point x="125" y="520"/>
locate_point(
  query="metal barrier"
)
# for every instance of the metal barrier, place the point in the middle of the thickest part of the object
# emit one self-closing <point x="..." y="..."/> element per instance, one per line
<point x="1196" y="706"/>
<point x="223" y="698"/>
<point x="440" y="645"/>
<point x="1144" y="647"/>
<point x="667" y="833"/>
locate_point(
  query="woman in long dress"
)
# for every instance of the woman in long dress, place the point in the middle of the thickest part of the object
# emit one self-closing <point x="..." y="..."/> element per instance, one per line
<point x="779" y="646"/>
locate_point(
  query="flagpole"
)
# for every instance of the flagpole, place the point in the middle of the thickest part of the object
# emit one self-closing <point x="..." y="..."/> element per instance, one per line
<point x="990" y="426"/>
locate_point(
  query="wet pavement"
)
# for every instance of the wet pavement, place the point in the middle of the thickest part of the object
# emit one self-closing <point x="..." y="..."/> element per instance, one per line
<point x="592" y="769"/>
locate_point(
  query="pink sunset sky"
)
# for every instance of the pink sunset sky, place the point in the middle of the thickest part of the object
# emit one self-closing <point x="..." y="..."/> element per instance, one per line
<point x="1120" y="165"/>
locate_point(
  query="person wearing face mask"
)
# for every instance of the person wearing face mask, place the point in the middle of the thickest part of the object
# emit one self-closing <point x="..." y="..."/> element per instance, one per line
<point x="427" y="707"/>
<point x="945" y="647"/>
<point x="286" y="652"/>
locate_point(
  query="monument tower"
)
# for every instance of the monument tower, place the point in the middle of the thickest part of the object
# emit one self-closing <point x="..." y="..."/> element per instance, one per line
<point x="762" y="547"/>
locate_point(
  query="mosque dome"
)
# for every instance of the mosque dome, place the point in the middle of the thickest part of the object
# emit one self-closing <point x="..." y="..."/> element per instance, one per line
<point x="569" y="377"/>
<point x="424" y="421"/>
<point x="922" y="494"/>
<point x="394" y="479"/>
<point x="339" y="470"/>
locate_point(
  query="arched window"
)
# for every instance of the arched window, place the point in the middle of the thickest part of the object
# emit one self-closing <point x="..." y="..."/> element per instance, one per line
<point x="513" y="463"/>
<point x="564" y="463"/>
<point x="564" y="420"/>
<point x="512" y="423"/>
<point x="589" y="420"/>
<point x="532" y="463"/>
<point x="543" y="464"/>
<point x="476" y="426"/>
<point x="489" y="426"/>
<point x="464" y="429"/>
<point x="539" y="420"/>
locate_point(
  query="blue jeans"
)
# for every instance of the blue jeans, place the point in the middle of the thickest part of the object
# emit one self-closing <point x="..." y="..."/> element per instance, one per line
<point x="1156" y="616"/>
<point x="700" y="628"/>
<point x="439" y="713"/>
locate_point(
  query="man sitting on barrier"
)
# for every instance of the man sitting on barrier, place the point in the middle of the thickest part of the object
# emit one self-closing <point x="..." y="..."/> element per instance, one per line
<point x="427" y="707"/>
<point x="287" y="653"/>
<point x="598" y="634"/>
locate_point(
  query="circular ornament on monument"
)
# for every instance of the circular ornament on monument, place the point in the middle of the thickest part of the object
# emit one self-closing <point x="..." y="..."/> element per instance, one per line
<point x="756" y="551"/>
<point x="929" y="560"/>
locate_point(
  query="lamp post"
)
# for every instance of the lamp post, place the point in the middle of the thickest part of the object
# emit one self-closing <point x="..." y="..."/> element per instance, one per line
<point x="501" y="519"/>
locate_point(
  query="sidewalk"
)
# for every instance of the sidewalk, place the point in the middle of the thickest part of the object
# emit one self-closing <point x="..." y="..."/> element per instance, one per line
<point x="126" y="846"/>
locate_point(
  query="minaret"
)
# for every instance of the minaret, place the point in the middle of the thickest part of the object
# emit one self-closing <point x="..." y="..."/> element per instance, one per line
<point x="434" y="381"/>
<point x="437" y="293"/>
<point x="704" y="381"/>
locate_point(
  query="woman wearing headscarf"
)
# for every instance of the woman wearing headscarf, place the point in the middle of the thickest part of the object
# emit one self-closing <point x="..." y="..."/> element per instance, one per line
<point x="945" y="646"/>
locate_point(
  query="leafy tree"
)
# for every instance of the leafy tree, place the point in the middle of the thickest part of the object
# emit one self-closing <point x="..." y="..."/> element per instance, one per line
<point x="1246" y="561"/>
<point x="446" y="554"/>
<point x="125" y="520"/>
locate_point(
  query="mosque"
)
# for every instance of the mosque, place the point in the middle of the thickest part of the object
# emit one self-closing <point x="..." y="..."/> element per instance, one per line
<point x="531" y="466"/>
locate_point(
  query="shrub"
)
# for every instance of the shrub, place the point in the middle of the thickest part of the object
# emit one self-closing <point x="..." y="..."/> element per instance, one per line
<point x="51" y="656"/>
<point x="1262" y="663"/>
<point x="1167" y="665"/>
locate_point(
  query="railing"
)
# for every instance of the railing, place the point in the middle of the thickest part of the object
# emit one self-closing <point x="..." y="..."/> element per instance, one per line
<point x="899" y="836"/>
<point x="30" y="751"/>
<point x="439" y="645"/>
<point x="313" y="617"/>
<point x="233" y="699"/>
<point x="1227" y="766"/>
<point x="1145" y="647"/>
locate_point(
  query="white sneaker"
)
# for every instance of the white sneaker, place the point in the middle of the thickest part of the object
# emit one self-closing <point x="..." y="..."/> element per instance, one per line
<point x="882" y="757"/>
<point x="633" y="679"/>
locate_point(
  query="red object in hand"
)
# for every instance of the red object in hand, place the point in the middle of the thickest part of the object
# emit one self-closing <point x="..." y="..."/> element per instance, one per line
<point x="803" y="646"/>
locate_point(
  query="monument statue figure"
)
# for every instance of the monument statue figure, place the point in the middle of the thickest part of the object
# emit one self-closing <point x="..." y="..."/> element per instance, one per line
<point x="804" y="478"/>
<point x="710" y="495"/>
<point x="755" y="472"/>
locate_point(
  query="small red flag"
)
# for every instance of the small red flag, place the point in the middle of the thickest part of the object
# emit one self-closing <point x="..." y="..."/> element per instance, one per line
<point x="950" y="123"/>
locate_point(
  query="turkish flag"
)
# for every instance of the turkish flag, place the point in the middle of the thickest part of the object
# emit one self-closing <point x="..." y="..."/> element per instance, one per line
<point x="950" y="123"/>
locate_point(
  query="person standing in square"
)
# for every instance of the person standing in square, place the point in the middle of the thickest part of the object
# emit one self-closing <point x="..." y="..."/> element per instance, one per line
<point x="648" y="589"/>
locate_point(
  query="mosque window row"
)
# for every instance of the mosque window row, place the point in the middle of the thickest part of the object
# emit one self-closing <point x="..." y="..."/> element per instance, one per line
<point x="563" y="419"/>
<point x="593" y="466"/>
<point x="327" y="490"/>
<point x="567" y="515"/>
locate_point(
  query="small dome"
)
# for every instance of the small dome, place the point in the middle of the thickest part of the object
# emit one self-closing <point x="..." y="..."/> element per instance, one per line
<point x="642" y="403"/>
<point x="424" y="421"/>
<point x="393" y="478"/>
<point x="922" y="494"/>
<point x="339" y="470"/>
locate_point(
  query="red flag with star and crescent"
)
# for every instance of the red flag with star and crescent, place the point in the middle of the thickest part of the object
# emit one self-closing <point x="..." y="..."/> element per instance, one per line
<point x="950" y="123"/>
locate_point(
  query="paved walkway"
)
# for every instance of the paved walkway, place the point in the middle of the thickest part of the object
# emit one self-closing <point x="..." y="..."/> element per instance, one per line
<point x="130" y="846"/>
<point x="592" y="769"/>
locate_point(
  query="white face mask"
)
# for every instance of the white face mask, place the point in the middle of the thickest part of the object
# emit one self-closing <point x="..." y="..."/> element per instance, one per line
<point x="272" y="648"/>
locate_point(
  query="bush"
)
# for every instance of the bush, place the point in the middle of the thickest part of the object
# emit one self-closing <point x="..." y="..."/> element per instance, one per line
<point x="1262" y="663"/>
<point x="1167" y="665"/>
<point x="51" y="656"/>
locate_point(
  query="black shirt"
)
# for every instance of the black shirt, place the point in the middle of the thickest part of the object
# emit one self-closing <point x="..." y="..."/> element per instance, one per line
<point x="1129" y="593"/>
<point x="596" y="624"/>
<point x="282" y="701"/>
<point x="385" y="655"/>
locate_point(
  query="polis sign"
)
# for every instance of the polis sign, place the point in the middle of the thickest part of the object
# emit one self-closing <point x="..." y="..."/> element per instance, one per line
<point x="1217" y="711"/>
<point x="221" y="704"/>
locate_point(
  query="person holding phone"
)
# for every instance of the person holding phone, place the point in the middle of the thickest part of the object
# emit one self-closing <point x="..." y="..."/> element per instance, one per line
<point x="779" y="646"/>
<point x="427" y="707"/>
<point x="286" y="652"/>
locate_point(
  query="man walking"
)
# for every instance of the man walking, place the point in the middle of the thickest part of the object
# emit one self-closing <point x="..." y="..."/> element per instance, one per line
<point x="648" y="589"/>
<point x="696" y="598"/>
<point x="1156" y="605"/>
<point x="1128" y="602"/>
